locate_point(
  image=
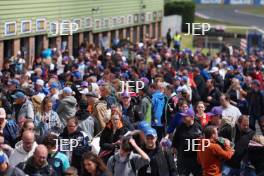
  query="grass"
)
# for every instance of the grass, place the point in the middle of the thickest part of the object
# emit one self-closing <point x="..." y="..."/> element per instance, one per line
<point x="259" y="10"/>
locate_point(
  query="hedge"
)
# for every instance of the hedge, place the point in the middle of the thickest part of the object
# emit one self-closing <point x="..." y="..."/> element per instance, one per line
<point x="184" y="8"/>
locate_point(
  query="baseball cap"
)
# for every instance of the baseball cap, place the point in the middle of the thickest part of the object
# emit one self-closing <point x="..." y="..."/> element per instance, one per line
<point x="143" y="125"/>
<point x="151" y="132"/>
<point x="185" y="78"/>
<point x="40" y="82"/>
<point x="2" y="113"/>
<point x="18" y="95"/>
<point x="84" y="84"/>
<point x="217" y="110"/>
<point x="76" y="75"/>
<point x="13" y="82"/>
<point x="92" y="94"/>
<point x="54" y="85"/>
<point x="67" y="90"/>
<point x="125" y="94"/>
<point x="145" y="80"/>
<point x="214" y="69"/>
<point x="231" y="68"/>
<point x="256" y="82"/>
<point x="2" y="158"/>
<point x="188" y="113"/>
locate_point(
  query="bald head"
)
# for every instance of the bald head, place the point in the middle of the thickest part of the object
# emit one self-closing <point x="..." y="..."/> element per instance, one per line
<point x="28" y="139"/>
<point x="40" y="155"/>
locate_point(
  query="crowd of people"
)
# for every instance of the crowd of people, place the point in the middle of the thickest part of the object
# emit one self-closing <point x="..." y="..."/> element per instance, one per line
<point x="145" y="109"/>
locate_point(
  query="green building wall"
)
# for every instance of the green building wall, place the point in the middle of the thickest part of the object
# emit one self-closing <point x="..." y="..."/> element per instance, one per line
<point x="102" y="14"/>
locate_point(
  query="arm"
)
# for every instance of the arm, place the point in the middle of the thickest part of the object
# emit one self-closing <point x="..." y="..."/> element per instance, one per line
<point x="105" y="142"/>
<point x="139" y="150"/>
<point x="224" y="154"/>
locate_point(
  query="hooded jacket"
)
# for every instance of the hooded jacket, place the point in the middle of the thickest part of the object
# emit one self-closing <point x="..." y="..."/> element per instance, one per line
<point x="158" y="104"/>
<point x="67" y="108"/>
<point x="20" y="155"/>
<point x="255" y="154"/>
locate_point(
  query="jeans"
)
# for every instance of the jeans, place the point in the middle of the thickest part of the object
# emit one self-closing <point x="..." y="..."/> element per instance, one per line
<point x="228" y="171"/>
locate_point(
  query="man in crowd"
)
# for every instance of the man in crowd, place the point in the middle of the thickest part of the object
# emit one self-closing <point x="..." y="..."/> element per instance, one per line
<point x="23" y="149"/>
<point x="211" y="155"/>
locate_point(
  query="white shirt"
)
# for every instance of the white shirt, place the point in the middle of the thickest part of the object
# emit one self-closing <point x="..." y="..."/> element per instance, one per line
<point x="232" y="112"/>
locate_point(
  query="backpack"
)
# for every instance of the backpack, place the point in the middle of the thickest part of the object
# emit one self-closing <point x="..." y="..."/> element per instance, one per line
<point x="131" y="161"/>
<point x="52" y="160"/>
<point x="11" y="132"/>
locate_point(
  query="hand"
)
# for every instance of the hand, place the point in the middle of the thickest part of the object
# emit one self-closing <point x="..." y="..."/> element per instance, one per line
<point x="227" y="143"/>
<point x="117" y="142"/>
<point x="209" y="98"/>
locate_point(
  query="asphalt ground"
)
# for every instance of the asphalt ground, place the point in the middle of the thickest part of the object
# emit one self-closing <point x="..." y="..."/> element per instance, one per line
<point x="231" y="14"/>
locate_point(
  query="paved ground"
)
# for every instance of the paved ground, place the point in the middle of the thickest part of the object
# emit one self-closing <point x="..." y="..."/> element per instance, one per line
<point x="229" y="14"/>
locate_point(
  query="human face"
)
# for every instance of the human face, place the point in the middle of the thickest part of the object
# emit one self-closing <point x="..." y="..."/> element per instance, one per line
<point x="3" y="167"/>
<point x="244" y="125"/>
<point x="30" y="126"/>
<point x="184" y="108"/>
<point x="27" y="143"/>
<point x="216" y="120"/>
<point x="48" y="107"/>
<point x="40" y="158"/>
<point x="71" y="127"/>
<point x="223" y="101"/>
<point x="150" y="142"/>
<point x="188" y="120"/>
<point x="126" y="101"/>
<point x="200" y="108"/>
<point x="215" y="135"/>
<point x="89" y="166"/>
<point x="115" y="119"/>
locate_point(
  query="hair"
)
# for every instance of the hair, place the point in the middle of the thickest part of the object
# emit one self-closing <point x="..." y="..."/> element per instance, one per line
<point x="209" y="131"/>
<point x="227" y="97"/>
<point x="125" y="144"/>
<point x="258" y="139"/>
<point x="100" y="165"/>
<point x="50" y="140"/>
<point x="241" y="118"/>
<point x="74" y="119"/>
<point x="72" y="171"/>
<point x="36" y="101"/>
<point x="25" y="125"/>
<point x="45" y="101"/>
<point x="120" y="123"/>
<point x="170" y="88"/>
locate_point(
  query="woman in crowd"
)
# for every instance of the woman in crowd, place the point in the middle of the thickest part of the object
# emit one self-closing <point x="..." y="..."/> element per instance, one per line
<point x="110" y="137"/>
<point x="201" y="116"/>
<point x="92" y="165"/>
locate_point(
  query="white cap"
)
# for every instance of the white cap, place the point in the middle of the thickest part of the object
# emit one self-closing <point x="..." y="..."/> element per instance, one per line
<point x="40" y="82"/>
<point x="214" y="69"/>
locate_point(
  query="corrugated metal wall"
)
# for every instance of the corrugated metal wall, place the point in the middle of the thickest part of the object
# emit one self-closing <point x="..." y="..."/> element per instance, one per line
<point x="58" y="10"/>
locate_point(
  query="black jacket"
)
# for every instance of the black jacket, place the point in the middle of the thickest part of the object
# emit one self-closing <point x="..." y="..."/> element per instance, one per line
<point x="215" y="94"/>
<point x="107" y="138"/>
<point x="29" y="168"/>
<point x="241" y="145"/>
<point x="180" y="143"/>
<point x="161" y="163"/>
<point x="256" y="104"/>
<point x="201" y="86"/>
<point x="82" y="147"/>
<point x="255" y="155"/>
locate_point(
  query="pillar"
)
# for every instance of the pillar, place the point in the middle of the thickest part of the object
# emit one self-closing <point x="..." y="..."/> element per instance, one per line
<point x="109" y="38"/>
<point x="150" y="30"/>
<point x="45" y="42"/>
<point x="124" y="33"/>
<point x="81" y="38"/>
<point x="131" y="34"/>
<point x="1" y="54"/>
<point x="16" y="46"/>
<point x="117" y="33"/>
<point x="58" y="42"/>
<point x="70" y="44"/>
<point x="138" y="33"/>
<point x="90" y="37"/>
<point x="157" y="30"/>
<point x="31" y="50"/>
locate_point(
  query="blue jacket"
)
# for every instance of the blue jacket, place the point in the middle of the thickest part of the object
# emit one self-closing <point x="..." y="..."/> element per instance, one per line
<point x="175" y="122"/>
<point x="158" y="104"/>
